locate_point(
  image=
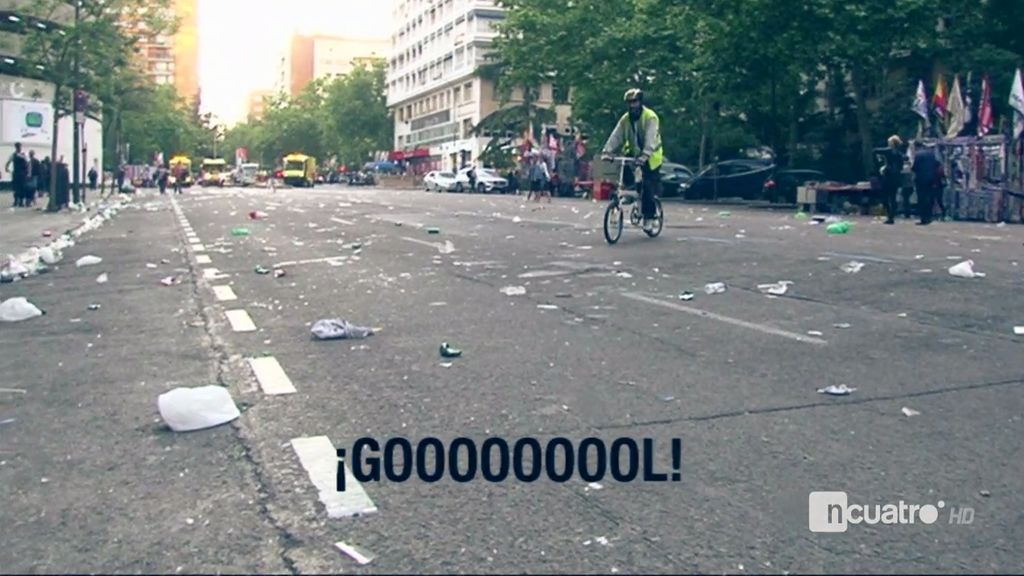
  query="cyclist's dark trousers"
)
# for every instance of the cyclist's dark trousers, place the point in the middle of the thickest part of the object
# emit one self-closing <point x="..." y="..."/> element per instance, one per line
<point x="652" y="189"/>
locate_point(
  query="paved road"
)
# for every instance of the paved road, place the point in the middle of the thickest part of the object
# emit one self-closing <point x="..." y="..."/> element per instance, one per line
<point x="599" y="345"/>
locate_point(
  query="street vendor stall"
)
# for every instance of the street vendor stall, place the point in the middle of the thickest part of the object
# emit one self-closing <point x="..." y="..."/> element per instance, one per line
<point x="983" y="178"/>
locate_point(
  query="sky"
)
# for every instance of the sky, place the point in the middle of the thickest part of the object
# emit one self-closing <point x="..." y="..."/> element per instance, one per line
<point x="241" y="42"/>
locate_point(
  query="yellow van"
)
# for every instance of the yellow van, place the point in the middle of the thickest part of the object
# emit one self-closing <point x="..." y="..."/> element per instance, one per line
<point x="186" y="164"/>
<point x="299" y="170"/>
<point x="214" y="172"/>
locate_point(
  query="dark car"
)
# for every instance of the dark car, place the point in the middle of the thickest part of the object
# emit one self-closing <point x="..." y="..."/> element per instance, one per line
<point x="361" y="179"/>
<point x="672" y="177"/>
<point x="729" y="179"/>
<point x="781" y="187"/>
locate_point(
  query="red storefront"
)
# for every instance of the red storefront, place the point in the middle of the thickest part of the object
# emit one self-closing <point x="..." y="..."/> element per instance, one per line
<point x="417" y="160"/>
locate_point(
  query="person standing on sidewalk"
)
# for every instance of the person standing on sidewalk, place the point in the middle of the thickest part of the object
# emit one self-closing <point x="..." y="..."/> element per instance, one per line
<point x="926" y="175"/>
<point x="892" y="175"/>
<point x="18" y="166"/>
<point x="34" y="181"/>
<point x="63" y="183"/>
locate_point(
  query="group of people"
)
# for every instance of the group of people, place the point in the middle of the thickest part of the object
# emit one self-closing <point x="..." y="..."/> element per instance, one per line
<point x="30" y="178"/>
<point x="929" y="181"/>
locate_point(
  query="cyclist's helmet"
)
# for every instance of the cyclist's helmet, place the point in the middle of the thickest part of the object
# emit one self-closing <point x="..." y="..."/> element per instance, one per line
<point x="633" y="94"/>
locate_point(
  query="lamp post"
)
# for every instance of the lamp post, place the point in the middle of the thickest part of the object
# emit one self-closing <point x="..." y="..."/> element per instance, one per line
<point x="79" y="113"/>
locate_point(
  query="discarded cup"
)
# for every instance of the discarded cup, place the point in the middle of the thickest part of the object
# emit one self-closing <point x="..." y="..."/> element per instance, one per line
<point x="278" y="273"/>
<point x="261" y="270"/>
<point x="448" y="352"/>
<point x="433" y="230"/>
<point x="840" y="390"/>
<point x="852" y="267"/>
<point x="715" y="288"/>
<point x="687" y="296"/>
<point x="94" y="306"/>
<point x="239" y="231"/>
<point x="257" y="215"/>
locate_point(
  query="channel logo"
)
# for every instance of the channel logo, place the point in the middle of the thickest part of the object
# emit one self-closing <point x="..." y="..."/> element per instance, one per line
<point x="832" y="512"/>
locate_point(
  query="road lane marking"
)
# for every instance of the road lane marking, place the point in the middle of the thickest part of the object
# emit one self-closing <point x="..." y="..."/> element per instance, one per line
<point x="867" y="257"/>
<point x="763" y="328"/>
<point x="271" y="376"/>
<point x="224" y="293"/>
<point x="320" y="460"/>
<point x="446" y="248"/>
<point x="198" y="248"/>
<point x="212" y="274"/>
<point x="331" y="259"/>
<point x="343" y="221"/>
<point x="240" y="321"/>
<point x="203" y="259"/>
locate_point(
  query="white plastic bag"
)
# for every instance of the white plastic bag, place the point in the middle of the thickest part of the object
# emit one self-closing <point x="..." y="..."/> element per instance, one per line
<point x="188" y="409"/>
<point x="88" y="261"/>
<point x="965" y="269"/>
<point x="50" y="255"/>
<point x="18" y="309"/>
<point x="16" y="268"/>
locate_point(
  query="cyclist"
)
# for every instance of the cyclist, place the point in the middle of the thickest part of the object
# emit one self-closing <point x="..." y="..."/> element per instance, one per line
<point x="638" y="133"/>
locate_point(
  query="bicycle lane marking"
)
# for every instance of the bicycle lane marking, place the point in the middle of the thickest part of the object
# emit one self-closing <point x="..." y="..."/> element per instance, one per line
<point x="763" y="328"/>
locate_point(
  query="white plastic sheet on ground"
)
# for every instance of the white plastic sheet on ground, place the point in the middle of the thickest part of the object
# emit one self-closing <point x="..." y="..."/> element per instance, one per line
<point x="18" y="309"/>
<point x="188" y="409"/>
<point x="965" y="269"/>
<point x="336" y="329"/>
<point x="89" y="260"/>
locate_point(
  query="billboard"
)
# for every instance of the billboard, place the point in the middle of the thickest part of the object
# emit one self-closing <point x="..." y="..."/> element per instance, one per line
<point x="27" y="122"/>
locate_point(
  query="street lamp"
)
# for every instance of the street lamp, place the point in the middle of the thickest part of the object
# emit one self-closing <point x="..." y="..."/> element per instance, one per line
<point x="77" y="107"/>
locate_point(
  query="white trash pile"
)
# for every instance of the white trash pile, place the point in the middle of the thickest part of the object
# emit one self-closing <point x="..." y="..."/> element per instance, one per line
<point x="37" y="260"/>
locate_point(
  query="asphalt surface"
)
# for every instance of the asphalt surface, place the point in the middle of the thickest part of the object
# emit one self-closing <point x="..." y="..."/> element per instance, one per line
<point x="600" y="345"/>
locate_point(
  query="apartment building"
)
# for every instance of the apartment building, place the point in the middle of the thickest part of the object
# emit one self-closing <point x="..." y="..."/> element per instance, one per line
<point x="319" y="56"/>
<point x="433" y="89"/>
<point x="174" y="59"/>
<point x="26" y="98"/>
<point x="257" y="103"/>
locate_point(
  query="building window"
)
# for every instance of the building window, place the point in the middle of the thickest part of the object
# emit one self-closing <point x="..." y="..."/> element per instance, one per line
<point x="467" y="127"/>
<point x="467" y="91"/>
<point x="456" y="95"/>
<point x="560" y="94"/>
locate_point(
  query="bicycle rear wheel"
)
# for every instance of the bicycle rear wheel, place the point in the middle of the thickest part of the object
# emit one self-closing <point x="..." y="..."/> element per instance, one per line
<point x="613" y="222"/>
<point x="659" y="220"/>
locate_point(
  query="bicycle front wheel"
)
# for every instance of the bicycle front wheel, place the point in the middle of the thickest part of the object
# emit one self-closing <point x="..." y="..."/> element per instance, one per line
<point x="659" y="220"/>
<point x="613" y="223"/>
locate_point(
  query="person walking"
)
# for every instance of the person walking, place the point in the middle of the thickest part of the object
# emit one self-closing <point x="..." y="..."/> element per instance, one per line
<point x="926" y="175"/>
<point x="18" y="166"/>
<point x="892" y="176"/>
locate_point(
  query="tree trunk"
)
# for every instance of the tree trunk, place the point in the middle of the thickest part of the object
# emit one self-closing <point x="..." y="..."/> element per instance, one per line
<point x="51" y="205"/>
<point x="863" y="119"/>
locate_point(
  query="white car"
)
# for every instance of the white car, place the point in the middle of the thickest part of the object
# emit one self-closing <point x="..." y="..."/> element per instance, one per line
<point x="439" y="181"/>
<point x="487" y="180"/>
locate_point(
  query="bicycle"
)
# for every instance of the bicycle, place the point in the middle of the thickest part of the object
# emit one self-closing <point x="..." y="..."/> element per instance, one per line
<point x="624" y="196"/>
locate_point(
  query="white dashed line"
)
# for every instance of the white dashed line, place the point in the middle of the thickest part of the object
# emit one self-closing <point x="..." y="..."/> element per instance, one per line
<point x="198" y="248"/>
<point x="343" y="221"/>
<point x="727" y="319"/>
<point x="240" y="321"/>
<point x="271" y="376"/>
<point x="211" y="273"/>
<point x="224" y="293"/>
<point x="318" y="456"/>
<point x="203" y="259"/>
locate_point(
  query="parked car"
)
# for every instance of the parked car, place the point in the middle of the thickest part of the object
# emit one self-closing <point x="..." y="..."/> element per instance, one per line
<point x="672" y="177"/>
<point x="729" y="179"/>
<point x="781" y="187"/>
<point x="487" y="180"/>
<point x="438" y="181"/>
<point x="361" y="178"/>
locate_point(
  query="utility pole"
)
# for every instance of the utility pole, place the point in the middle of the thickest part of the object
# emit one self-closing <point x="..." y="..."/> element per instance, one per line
<point x="76" y="96"/>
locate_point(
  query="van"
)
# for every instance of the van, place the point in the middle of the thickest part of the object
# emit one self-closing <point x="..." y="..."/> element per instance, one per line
<point x="299" y="170"/>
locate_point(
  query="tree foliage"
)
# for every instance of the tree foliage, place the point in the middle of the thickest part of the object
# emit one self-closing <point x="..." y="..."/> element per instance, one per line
<point x="344" y="118"/>
<point x="819" y="81"/>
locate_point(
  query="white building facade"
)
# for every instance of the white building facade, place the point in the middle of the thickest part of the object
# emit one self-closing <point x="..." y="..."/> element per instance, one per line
<point x="433" y="91"/>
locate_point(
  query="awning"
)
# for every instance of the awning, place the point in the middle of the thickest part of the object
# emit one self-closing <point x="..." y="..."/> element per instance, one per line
<point x="396" y="155"/>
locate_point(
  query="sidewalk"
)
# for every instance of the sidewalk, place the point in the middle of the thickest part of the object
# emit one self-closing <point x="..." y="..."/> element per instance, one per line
<point x="23" y="228"/>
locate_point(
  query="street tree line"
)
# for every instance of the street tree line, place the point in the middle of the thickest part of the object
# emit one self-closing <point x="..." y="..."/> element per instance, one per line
<point x="821" y="82"/>
<point x="95" y="52"/>
<point x="342" y="117"/>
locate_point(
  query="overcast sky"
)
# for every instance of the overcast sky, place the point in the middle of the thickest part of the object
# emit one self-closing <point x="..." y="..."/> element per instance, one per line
<point x="241" y="41"/>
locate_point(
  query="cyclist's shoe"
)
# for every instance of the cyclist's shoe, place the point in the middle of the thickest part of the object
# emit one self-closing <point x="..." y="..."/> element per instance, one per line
<point x="649" y="224"/>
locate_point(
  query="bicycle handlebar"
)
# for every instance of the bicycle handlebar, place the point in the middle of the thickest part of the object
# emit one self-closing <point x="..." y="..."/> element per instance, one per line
<point x="629" y="159"/>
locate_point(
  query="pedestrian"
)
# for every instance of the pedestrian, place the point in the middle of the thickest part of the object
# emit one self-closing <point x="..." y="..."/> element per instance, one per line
<point x="32" y="182"/>
<point x="45" y="170"/>
<point x="162" y="179"/>
<point x="926" y="175"/>
<point x="63" y="184"/>
<point x="18" y="166"/>
<point x="539" y="177"/>
<point x="120" y="178"/>
<point x="471" y="174"/>
<point x="892" y="176"/>
<point x="94" y="176"/>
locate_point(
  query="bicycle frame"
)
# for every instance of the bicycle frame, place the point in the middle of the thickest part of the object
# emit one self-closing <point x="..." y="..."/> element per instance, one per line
<point x="622" y="192"/>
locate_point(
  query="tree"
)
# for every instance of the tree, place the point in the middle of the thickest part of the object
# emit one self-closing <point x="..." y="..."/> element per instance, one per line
<point x="84" y="54"/>
<point x="355" y="115"/>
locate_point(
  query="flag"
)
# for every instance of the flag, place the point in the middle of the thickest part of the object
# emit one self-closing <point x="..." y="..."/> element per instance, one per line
<point x="1017" y="103"/>
<point x="939" y="98"/>
<point x="956" y="110"/>
<point x="920" y="106"/>
<point x="985" y="107"/>
<point x="968" y="103"/>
